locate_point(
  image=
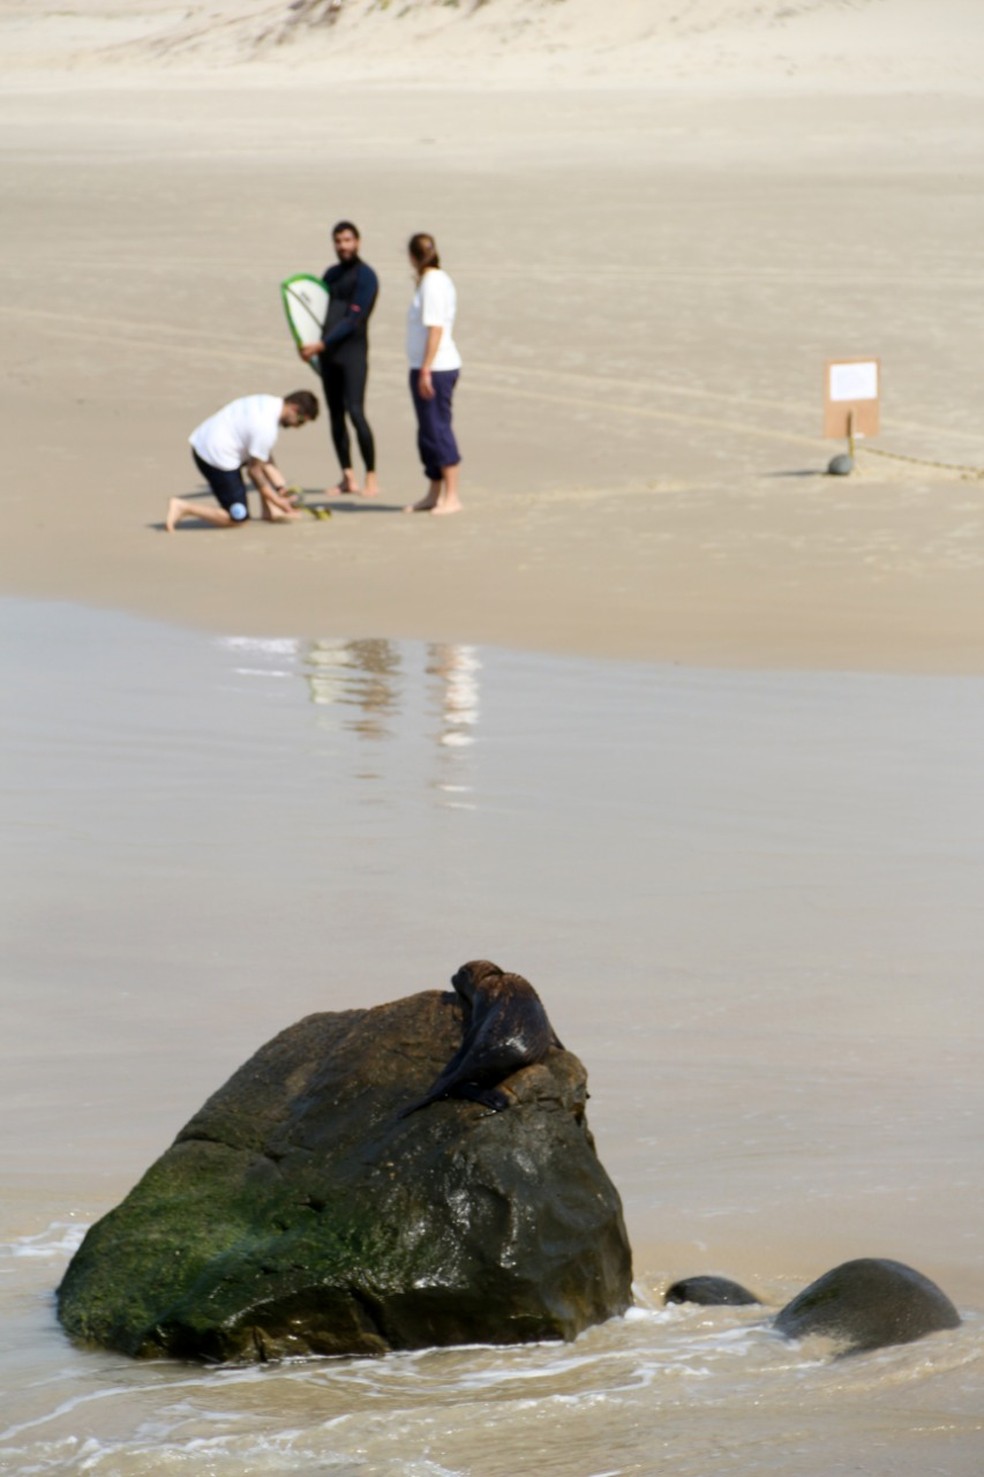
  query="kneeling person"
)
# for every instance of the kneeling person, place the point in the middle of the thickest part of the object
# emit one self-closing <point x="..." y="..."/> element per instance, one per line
<point x="241" y="436"/>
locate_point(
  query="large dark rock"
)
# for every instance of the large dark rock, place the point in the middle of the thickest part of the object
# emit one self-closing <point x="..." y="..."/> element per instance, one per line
<point x="868" y="1303"/>
<point x="296" y="1214"/>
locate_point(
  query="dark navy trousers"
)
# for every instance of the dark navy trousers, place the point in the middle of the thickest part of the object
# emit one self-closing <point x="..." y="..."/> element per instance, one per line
<point x="435" y="437"/>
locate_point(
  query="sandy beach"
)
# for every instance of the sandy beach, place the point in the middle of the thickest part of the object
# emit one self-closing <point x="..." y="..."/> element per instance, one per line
<point x="670" y="720"/>
<point x="651" y="277"/>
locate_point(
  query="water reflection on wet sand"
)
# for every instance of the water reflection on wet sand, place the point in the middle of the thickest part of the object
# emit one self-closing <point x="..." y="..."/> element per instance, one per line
<point x="752" y="902"/>
<point x="366" y="675"/>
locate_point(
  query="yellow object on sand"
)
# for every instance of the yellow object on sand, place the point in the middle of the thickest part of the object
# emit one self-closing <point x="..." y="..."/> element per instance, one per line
<point x="297" y="496"/>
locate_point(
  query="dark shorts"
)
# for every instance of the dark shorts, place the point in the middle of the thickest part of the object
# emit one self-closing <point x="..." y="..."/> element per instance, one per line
<point x="228" y="488"/>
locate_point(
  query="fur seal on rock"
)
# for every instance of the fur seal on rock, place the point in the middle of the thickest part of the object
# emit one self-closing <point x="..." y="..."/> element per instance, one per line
<point x="507" y="1029"/>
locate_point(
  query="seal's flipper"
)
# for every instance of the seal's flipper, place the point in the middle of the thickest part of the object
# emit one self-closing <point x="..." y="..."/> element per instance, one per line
<point x="489" y="1097"/>
<point x="422" y="1102"/>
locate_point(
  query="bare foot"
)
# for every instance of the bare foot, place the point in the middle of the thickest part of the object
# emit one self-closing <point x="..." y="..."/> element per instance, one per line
<point x="347" y="485"/>
<point x="371" y="488"/>
<point x="431" y="499"/>
<point x="449" y="505"/>
<point x="178" y="510"/>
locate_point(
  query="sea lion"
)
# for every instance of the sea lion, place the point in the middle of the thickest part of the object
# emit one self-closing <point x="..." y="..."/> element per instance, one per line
<point x="507" y="1029"/>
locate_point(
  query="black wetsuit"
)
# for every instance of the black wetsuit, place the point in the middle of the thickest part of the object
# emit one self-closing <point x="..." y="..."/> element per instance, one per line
<point x="345" y="358"/>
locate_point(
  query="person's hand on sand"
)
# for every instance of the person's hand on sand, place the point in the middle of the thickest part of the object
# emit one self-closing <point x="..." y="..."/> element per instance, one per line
<point x="278" y="501"/>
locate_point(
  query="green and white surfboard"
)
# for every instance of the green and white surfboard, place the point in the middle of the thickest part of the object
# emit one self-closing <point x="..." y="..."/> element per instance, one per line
<point x="305" y="300"/>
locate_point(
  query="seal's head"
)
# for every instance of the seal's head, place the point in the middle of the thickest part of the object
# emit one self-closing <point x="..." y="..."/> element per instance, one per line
<point x="471" y="976"/>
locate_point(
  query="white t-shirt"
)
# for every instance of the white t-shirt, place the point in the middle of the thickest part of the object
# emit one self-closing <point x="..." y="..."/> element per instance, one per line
<point x="434" y="304"/>
<point x="240" y="431"/>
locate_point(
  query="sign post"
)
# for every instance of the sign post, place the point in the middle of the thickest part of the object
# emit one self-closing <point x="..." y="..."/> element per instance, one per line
<point x="851" y="403"/>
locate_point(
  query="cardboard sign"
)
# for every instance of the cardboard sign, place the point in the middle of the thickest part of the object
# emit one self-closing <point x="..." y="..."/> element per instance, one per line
<point x="850" y="397"/>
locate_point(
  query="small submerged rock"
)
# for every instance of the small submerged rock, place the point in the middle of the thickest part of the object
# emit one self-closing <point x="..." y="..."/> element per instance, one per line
<point x="709" y="1291"/>
<point x="298" y="1214"/>
<point x="867" y="1304"/>
<point x="864" y="1304"/>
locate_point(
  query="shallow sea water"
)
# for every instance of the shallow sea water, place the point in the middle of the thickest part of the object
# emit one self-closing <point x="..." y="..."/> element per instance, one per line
<point x="751" y="902"/>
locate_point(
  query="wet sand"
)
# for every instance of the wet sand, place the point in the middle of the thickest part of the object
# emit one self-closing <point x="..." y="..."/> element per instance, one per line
<point x="750" y="900"/>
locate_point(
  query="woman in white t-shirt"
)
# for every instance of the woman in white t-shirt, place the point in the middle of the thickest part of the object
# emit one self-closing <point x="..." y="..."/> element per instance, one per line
<point x="434" y="368"/>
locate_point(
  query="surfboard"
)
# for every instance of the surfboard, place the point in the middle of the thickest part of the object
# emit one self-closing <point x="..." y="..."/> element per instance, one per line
<point x="305" y="300"/>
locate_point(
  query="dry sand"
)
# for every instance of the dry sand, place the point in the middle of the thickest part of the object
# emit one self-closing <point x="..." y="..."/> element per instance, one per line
<point x="661" y="223"/>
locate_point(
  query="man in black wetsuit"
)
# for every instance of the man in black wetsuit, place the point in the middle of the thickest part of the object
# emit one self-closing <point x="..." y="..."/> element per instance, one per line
<point x="343" y="354"/>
